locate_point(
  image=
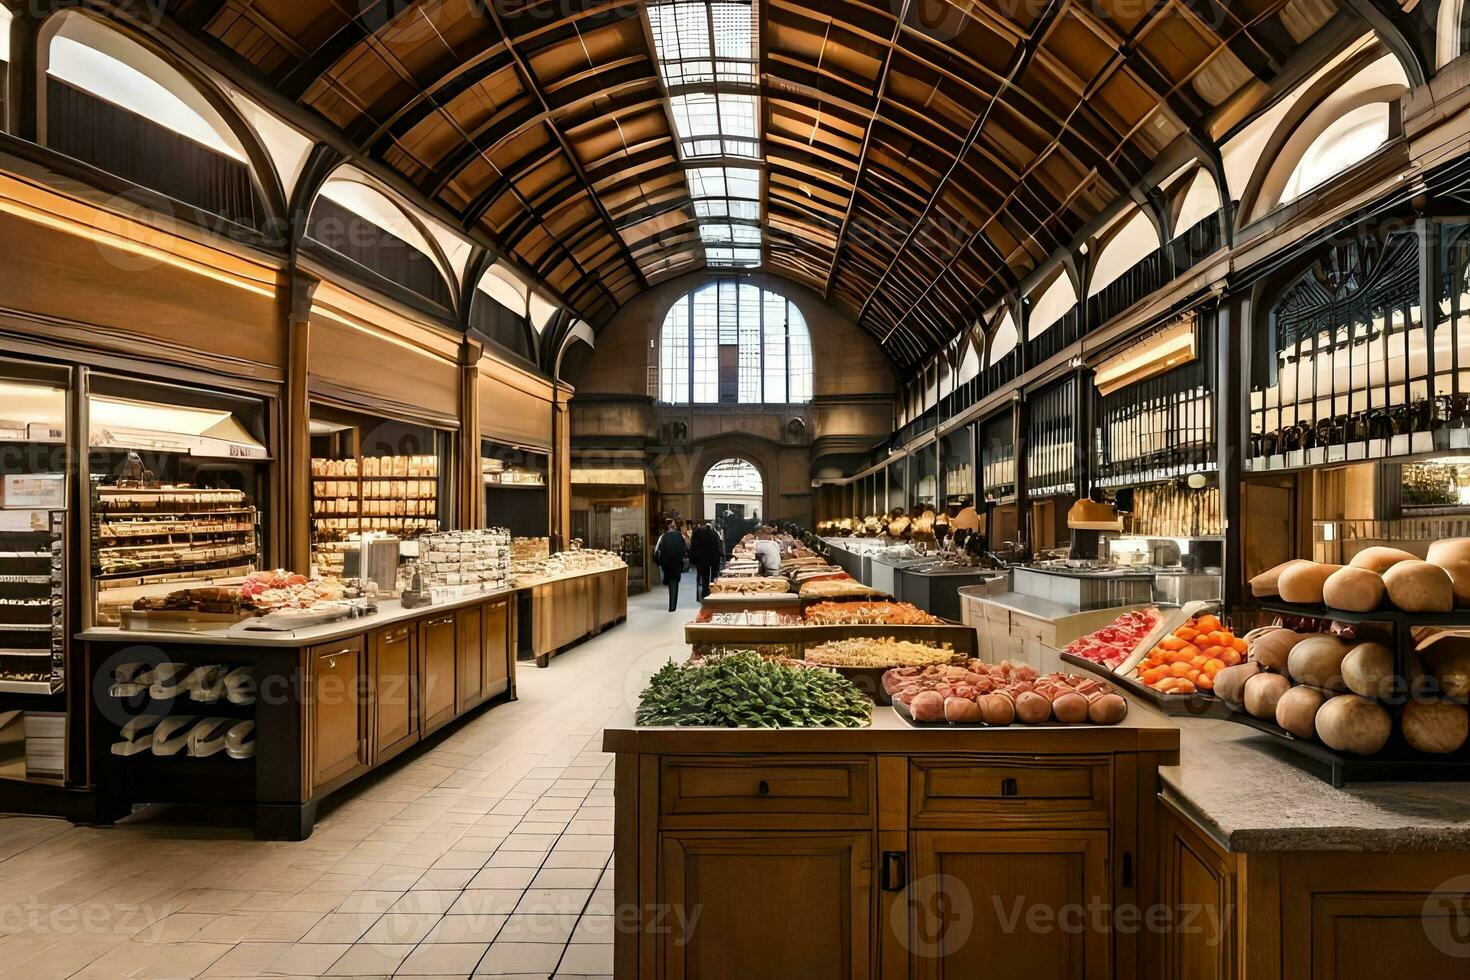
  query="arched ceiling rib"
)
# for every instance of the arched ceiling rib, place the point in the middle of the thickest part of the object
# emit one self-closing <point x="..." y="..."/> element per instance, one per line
<point x="912" y="160"/>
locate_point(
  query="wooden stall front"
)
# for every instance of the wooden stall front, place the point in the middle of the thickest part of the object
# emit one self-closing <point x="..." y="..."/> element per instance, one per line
<point x="331" y="703"/>
<point x="828" y="847"/>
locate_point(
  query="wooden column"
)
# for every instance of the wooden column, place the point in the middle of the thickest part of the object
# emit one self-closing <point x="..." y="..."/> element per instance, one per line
<point x="1231" y="325"/>
<point x="294" y="537"/>
<point x="25" y="84"/>
<point x="471" y="507"/>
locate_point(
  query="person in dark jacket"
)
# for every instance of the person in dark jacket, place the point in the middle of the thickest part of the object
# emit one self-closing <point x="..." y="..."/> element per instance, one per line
<point x="705" y="552"/>
<point x="669" y="555"/>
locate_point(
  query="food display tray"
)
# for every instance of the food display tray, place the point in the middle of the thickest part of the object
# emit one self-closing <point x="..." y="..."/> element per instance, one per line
<point x="1397" y="762"/>
<point x="961" y="638"/>
<point x="1195" y="705"/>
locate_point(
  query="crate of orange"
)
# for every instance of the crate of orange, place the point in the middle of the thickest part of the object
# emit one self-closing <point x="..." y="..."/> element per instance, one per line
<point x="1186" y="660"/>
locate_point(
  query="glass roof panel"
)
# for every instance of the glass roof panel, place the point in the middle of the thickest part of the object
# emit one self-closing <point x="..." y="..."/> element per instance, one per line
<point x="707" y="52"/>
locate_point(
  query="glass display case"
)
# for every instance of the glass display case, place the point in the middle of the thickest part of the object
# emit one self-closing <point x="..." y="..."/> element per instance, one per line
<point x="33" y="509"/>
<point x="176" y="485"/>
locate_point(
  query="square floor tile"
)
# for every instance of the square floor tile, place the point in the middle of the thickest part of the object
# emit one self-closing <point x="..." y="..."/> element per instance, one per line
<point x="566" y="878"/>
<point x="503" y="878"/>
<point x="587" y="959"/>
<point x="402" y="927"/>
<point x="537" y="927"/>
<point x="341" y="927"/>
<point x="553" y="901"/>
<point x="370" y="960"/>
<point x="486" y="901"/>
<point x="535" y="958"/>
<point x="426" y="901"/>
<point x="467" y="929"/>
<point x="443" y="959"/>
<point x="595" y="929"/>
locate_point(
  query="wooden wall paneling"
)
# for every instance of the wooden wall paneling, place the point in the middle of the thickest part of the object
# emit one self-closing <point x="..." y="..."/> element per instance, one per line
<point x="1197" y="885"/>
<point x="93" y="279"/>
<point x="515" y="404"/>
<point x="370" y="357"/>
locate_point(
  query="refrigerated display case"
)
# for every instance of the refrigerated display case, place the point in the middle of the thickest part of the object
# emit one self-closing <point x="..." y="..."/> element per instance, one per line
<point x="176" y="486"/>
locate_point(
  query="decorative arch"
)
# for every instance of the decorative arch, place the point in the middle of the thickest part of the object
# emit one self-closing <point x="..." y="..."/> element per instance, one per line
<point x="500" y="308"/>
<point x="1372" y="76"/>
<point x="1193" y="199"/>
<point x="347" y="196"/>
<point x="124" y="68"/>
<point x="1004" y="337"/>
<point x="758" y="452"/>
<point x="1132" y="238"/>
<point x="767" y="331"/>
<point x="1055" y="298"/>
<point x="1451" y="32"/>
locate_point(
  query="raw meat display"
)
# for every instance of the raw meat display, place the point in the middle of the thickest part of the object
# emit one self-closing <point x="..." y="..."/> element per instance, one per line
<point x="1003" y="693"/>
<point x="1115" y="643"/>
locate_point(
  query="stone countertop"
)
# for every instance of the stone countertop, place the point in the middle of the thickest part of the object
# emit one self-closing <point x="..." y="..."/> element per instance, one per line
<point x="390" y="611"/>
<point x="1031" y="605"/>
<point x="1089" y="573"/>
<point x="1252" y="794"/>
<point x="1139" y="732"/>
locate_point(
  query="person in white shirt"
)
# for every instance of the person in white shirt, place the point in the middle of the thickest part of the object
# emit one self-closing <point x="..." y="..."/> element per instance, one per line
<point x="768" y="553"/>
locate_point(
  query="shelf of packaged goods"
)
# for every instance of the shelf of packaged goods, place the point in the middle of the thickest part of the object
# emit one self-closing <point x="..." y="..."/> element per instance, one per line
<point x="353" y="479"/>
<point x="24" y="579"/>
<point x="27" y="627"/>
<point x="24" y="554"/>
<point x="26" y="652"/>
<point x="172" y="576"/>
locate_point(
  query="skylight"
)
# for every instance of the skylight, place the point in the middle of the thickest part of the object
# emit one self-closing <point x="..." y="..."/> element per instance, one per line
<point x="707" y="60"/>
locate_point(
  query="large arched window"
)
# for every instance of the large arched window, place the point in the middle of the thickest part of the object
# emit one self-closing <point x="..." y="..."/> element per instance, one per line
<point x="734" y="343"/>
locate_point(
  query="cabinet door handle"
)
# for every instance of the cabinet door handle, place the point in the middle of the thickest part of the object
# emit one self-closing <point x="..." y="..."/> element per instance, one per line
<point x="1008" y="787"/>
<point x="895" y="871"/>
<point x="764" y="788"/>
<point x="331" y="658"/>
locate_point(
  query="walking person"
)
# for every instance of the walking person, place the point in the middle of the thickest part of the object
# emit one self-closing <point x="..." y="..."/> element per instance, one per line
<point x="705" y="552"/>
<point x="669" y="554"/>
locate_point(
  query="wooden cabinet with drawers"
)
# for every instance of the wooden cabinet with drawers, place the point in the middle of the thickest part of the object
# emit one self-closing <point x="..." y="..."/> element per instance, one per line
<point x="883" y="852"/>
<point x="1324" y="915"/>
<point x="470" y="642"/>
<point x="395" y="691"/>
<point x="337" y="713"/>
<point x="438" y="665"/>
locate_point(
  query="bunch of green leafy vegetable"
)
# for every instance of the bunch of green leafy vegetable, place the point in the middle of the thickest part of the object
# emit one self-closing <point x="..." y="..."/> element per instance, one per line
<point x="745" y="690"/>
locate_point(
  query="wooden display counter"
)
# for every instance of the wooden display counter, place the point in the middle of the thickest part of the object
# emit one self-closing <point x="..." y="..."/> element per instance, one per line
<point x="1270" y="873"/>
<point x="332" y="703"/>
<point x="558" y="612"/>
<point x="817" y="853"/>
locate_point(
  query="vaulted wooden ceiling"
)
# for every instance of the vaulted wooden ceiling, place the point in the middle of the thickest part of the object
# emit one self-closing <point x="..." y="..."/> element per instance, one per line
<point x="915" y="158"/>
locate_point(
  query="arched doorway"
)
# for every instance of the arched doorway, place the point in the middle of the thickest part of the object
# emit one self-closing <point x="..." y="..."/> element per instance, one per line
<point x="734" y="497"/>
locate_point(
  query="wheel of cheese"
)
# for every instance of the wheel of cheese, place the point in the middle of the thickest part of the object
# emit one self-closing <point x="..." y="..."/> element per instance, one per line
<point x="1303" y="582"/>
<point x="1380" y="560"/>
<point x="1354" y="589"/>
<point x="1418" y="586"/>
<point x="1453" y="555"/>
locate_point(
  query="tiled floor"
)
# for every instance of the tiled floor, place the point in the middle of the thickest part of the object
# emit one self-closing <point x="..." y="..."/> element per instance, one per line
<point x="490" y="854"/>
